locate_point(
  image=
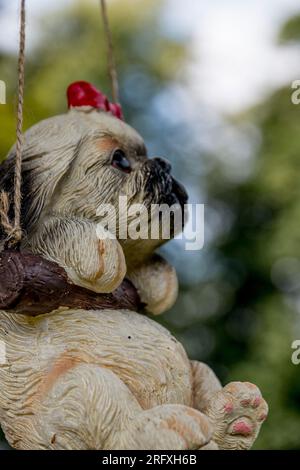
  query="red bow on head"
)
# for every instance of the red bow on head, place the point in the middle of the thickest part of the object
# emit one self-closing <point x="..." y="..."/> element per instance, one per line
<point x="85" y="94"/>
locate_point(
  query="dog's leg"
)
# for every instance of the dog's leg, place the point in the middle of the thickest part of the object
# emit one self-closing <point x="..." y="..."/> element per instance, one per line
<point x="168" y="427"/>
<point x="84" y="407"/>
<point x="87" y="407"/>
<point x="89" y="261"/>
<point x="236" y="411"/>
<point x="157" y="285"/>
<point x="205" y="385"/>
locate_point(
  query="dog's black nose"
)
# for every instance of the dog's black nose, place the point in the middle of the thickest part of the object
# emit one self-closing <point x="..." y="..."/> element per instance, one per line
<point x="164" y="164"/>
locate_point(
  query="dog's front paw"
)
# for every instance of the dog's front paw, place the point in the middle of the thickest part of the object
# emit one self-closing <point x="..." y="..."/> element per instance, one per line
<point x="112" y="266"/>
<point x="102" y="270"/>
<point x="168" y="427"/>
<point x="237" y="413"/>
<point x="157" y="284"/>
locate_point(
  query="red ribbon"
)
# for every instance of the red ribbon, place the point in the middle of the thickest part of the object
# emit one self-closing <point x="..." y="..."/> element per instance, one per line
<point x="85" y="94"/>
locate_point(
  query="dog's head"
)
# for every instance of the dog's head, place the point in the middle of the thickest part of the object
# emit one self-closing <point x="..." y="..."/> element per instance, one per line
<point x="76" y="164"/>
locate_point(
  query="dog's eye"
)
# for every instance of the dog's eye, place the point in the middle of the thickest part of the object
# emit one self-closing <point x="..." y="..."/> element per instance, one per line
<point x="120" y="161"/>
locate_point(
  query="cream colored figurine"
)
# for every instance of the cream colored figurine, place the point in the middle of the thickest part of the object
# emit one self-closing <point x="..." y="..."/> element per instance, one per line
<point x="106" y="379"/>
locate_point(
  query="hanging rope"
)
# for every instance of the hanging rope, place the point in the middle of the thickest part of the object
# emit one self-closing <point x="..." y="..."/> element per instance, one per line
<point x="19" y="145"/>
<point x="4" y="208"/>
<point x="13" y="229"/>
<point x="110" y="54"/>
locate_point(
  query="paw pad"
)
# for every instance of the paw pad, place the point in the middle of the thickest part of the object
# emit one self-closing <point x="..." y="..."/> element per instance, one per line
<point x="241" y="428"/>
<point x="256" y="402"/>
<point x="262" y="417"/>
<point x="228" y="407"/>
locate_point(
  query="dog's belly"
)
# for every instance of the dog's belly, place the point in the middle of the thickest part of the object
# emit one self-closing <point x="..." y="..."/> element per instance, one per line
<point x="143" y="354"/>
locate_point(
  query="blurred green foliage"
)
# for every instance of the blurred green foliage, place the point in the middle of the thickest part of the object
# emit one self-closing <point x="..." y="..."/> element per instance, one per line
<point x="264" y="317"/>
<point x="238" y="307"/>
<point x="71" y="47"/>
<point x="291" y="30"/>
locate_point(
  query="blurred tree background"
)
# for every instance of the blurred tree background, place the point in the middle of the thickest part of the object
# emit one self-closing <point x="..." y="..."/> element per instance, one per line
<point x="239" y="303"/>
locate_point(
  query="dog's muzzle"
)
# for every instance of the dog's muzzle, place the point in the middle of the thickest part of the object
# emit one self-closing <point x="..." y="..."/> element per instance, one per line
<point x="160" y="182"/>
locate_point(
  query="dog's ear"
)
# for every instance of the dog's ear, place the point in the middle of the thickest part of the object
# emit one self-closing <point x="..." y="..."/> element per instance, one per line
<point x="36" y="189"/>
<point x="7" y="184"/>
<point x="38" y="184"/>
<point x="50" y="147"/>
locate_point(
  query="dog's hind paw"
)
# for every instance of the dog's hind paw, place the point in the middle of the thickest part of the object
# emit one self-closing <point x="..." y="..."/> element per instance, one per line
<point x="237" y="413"/>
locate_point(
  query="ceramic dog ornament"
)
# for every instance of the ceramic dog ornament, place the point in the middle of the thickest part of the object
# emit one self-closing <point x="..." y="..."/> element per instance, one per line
<point x="110" y="378"/>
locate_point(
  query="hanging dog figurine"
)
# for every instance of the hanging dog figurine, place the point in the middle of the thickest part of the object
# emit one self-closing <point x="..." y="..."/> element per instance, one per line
<point x="106" y="379"/>
<point x="81" y="369"/>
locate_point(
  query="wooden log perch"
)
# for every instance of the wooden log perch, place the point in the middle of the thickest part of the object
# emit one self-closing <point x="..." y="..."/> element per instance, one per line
<point x="31" y="285"/>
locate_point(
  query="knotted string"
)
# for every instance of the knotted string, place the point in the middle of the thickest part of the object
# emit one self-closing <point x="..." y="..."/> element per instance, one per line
<point x="13" y="229"/>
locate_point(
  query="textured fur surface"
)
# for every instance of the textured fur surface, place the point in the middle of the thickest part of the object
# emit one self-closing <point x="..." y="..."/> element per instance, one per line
<point x="76" y="379"/>
<point x="67" y="174"/>
<point x="86" y="380"/>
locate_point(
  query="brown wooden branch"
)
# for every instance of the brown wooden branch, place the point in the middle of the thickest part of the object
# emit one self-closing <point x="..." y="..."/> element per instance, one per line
<point x="31" y="285"/>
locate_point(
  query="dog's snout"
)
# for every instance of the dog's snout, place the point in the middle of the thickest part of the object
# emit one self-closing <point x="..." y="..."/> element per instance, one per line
<point x="164" y="164"/>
